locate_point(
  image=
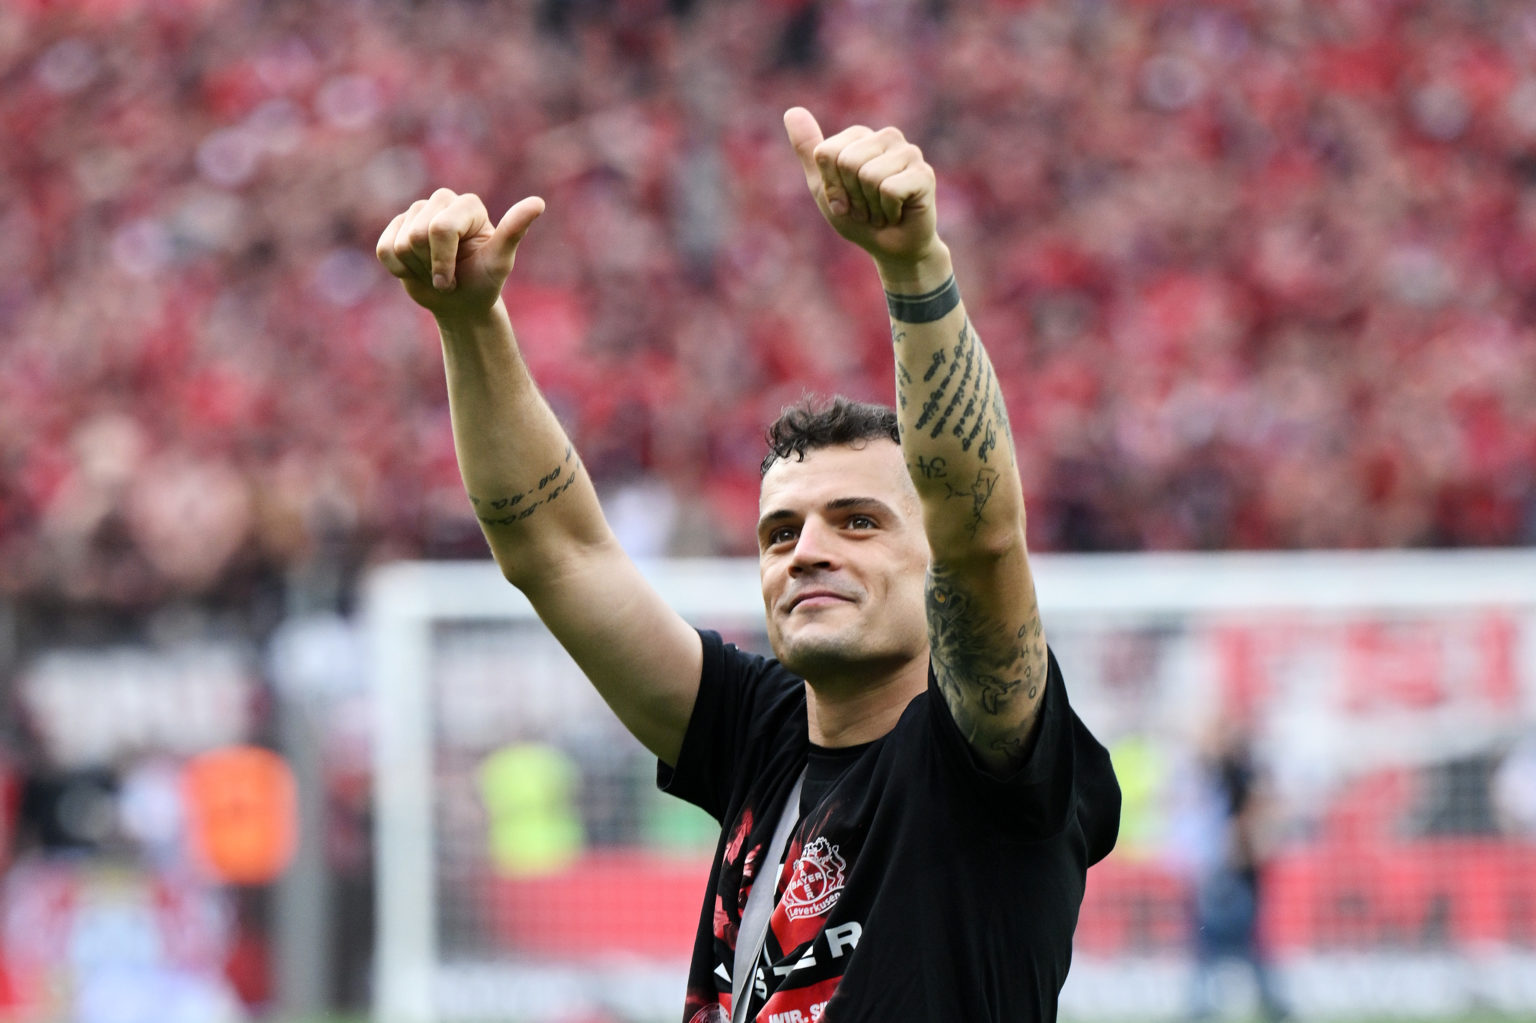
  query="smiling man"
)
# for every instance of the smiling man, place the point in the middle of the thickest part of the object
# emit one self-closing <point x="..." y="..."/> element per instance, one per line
<point x="843" y="557"/>
<point x="909" y="805"/>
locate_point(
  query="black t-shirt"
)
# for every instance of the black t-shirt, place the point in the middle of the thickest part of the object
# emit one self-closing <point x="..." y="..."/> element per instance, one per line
<point x="917" y="887"/>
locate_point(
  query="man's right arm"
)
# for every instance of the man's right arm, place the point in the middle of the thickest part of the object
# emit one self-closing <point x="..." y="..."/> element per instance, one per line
<point x="535" y="501"/>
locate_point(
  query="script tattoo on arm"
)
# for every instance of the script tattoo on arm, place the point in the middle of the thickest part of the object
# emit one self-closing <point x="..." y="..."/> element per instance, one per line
<point x="958" y="391"/>
<point x="965" y="399"/>
<point x="958" y="402"/>
<point x="984" y="668"/>
<point x="507" y="511"/>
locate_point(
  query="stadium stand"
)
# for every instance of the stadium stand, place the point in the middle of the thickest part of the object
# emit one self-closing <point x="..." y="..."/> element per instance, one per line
<point x="1257" y="274"/>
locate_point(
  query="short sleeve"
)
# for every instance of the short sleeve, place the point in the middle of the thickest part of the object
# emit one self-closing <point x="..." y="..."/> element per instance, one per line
<point x="1066" y="780"/>
<point x="743" y="698"/>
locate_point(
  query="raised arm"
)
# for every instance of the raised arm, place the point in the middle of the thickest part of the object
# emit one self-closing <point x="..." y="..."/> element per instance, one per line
<point x="987" y="644"/>
<point x="534" y="500"/>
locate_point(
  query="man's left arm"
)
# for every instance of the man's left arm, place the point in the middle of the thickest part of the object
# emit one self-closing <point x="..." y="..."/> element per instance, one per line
<point x="988" y="646"/>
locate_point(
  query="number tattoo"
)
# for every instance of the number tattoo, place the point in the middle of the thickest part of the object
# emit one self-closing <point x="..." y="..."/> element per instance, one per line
<point x="550" y="486"/>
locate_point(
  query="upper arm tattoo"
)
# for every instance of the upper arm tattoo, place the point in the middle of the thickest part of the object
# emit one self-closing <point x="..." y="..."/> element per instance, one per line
<point x="990" y="672"/>
<point x="979" y="492"/>
<point x="988" y="650"/>
<point x="505" y="511"/>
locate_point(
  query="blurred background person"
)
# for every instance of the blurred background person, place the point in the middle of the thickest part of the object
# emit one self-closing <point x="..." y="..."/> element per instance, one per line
<point x="1228" y="835"/>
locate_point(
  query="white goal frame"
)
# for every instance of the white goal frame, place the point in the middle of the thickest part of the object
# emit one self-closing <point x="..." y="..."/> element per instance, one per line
<point x="404" y="601"/>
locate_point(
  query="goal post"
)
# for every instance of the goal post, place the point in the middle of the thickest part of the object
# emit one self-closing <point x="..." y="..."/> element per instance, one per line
<point x="1392" y="690"/>
<point x="404" y="602"/>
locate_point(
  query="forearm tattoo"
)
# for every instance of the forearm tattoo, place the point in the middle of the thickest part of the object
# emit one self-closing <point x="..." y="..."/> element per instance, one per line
<point x="957" y="393"/>
<point x="506" y="511"/>
<point x="981" y="664"/>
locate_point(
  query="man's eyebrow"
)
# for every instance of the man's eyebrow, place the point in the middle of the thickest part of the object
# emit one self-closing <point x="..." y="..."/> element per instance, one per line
<point x="860" y="502"/>
<point x="777" y="515"/>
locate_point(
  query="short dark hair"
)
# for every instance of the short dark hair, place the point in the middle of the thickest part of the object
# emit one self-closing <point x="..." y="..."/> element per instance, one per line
<point x="813" y="423"/>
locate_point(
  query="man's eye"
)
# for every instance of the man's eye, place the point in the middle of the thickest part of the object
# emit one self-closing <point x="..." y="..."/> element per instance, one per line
<point x="784" y="534"/>
<point x="861" y="522"/>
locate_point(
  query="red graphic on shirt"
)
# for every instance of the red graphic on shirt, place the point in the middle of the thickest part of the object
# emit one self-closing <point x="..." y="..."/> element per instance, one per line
<point x="733" y="847"/>
<point x="725" y="928"/>
<point x="817" y="881"/>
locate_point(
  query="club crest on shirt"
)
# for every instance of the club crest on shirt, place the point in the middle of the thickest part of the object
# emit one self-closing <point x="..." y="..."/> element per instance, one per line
<point x="817" y="881"/>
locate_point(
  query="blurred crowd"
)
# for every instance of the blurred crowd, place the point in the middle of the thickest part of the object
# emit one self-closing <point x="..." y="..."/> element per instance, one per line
<point x="1254" y="273"/>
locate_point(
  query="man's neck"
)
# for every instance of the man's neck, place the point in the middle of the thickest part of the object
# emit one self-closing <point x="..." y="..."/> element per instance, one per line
<point x="850" y="714"/>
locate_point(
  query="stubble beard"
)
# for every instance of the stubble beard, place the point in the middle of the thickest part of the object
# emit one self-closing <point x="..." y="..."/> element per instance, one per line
<point x="826" y="655"/>
<point x="836" y="657"/>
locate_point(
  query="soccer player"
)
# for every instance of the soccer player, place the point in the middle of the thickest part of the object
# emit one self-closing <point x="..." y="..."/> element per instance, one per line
<point x="911" y="748"/>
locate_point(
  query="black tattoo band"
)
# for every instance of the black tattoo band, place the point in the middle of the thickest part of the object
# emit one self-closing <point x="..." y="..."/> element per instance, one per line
<point x="935" y="305"/>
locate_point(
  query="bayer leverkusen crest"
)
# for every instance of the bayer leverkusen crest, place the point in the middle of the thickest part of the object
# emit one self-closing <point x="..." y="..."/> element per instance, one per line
<point x="817" y="881"/>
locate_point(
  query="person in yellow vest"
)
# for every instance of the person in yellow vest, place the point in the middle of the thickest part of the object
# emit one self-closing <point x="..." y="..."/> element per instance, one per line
<point x="529" y="791"/>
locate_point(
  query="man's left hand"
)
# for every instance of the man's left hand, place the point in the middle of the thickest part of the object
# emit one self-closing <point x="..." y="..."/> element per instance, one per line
<point x="873" y="187"/>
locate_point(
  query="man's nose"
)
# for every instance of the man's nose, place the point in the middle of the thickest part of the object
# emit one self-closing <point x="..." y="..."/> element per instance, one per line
<point x="815" y="547"/>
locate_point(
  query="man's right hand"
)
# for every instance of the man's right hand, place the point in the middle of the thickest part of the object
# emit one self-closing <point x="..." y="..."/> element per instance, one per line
<point x="530" y="491"/>
<point x="451" y="259"/>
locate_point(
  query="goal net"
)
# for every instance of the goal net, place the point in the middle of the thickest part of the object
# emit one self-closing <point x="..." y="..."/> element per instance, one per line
<point x="530" y="873"/>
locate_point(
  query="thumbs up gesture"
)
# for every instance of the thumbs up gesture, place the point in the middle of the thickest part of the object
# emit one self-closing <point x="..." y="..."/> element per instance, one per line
<point x="452" y="260"/>
<point x="873" y="187"/>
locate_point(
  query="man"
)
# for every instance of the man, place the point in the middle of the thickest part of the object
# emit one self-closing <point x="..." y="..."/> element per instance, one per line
<point x="948" y="800"/>
<point x="1231" y="831"/>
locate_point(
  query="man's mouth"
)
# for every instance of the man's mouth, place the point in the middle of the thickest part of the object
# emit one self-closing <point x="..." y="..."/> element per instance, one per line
<point x="818" y="598"/>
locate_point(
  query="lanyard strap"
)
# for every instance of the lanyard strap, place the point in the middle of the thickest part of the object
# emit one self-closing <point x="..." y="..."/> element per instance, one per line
<point x="754" y="918"/>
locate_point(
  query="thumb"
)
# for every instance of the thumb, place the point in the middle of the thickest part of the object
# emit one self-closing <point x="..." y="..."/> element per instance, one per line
<point x="514" y="224"/>
<point x="805" y="136"/>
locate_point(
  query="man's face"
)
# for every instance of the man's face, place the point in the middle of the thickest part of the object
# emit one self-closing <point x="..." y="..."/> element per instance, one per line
<point x="842" y="556"/>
